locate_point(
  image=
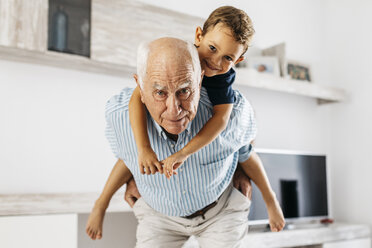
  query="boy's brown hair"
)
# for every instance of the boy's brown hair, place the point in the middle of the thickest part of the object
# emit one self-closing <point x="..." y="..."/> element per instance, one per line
<point x="235" y="19"/>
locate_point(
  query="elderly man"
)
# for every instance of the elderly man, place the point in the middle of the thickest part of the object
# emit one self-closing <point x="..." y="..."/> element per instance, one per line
<point x="200" y="200"/>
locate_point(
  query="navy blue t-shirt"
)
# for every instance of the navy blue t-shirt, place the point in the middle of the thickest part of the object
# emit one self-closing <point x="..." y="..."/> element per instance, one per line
<point x="219" y="87"/>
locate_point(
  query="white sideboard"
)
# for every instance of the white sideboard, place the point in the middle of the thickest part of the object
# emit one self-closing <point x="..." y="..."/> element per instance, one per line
<point x="58" y="221"/>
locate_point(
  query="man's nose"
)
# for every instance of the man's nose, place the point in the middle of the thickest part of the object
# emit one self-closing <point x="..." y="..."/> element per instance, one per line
<point x="173" y="105"/>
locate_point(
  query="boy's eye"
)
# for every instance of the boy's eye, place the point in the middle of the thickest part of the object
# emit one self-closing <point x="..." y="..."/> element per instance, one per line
<point x="213" y="49"/>
<point x="228" y="58"/>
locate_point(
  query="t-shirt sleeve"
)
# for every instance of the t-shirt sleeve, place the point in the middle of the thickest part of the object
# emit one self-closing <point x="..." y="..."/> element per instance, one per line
<point x="245" y="153"/>
<point x="221" y="95"/>
<point x="219" y="88"/>
<point x="243" y="126"/>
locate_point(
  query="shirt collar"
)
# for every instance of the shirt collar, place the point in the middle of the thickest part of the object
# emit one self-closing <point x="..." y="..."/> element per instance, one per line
<point x="161" y="132"/>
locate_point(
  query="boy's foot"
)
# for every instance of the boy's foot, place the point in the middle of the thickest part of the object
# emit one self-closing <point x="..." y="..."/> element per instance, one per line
<point x="95" y="222"/>
<point x="276" y="218"/>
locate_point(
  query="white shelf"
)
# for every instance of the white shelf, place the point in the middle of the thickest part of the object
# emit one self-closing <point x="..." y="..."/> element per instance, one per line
<point x="324" y="94"/>
<point x="59" y="203"/>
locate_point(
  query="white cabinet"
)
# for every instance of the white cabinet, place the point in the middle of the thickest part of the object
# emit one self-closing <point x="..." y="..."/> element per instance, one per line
<point x="39" y="231"/>
<point x="356" y="243"/>
<point x="118" y="27"/>
<point x="23" y="24"/>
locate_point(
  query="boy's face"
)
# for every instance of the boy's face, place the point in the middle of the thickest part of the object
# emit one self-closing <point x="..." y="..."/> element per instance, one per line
<point x="218" y="50"/>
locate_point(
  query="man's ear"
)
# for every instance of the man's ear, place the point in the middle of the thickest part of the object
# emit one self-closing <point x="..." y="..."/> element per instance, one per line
<point x="201" y="79"/>
<point x="135" y="76"/>
<point x="240" y="59"/>
<point x="198" y="36"/>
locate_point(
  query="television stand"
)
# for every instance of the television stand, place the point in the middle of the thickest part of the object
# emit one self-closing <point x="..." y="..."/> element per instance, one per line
<point x="337" y="235"/>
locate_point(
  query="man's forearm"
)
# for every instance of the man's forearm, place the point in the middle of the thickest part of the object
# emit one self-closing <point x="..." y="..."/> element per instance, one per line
<point x="119" y="176"/>
<point x="254" y="169"/>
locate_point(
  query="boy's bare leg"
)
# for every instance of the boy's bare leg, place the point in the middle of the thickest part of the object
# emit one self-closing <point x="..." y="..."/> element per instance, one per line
<point x="119" y="175"/>
<point x="254" y="169"/>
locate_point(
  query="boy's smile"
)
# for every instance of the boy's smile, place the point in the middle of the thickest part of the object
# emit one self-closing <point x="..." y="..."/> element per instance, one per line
<point x="218" y="50"/>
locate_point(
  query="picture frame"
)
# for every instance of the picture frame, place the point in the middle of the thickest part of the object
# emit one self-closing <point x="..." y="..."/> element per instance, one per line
<point x="265" y="64"/>
<point x="278" y="51"/>
<point x="298" y="71"/>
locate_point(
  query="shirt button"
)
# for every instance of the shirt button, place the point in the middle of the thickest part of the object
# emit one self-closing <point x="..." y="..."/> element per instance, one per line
<point x="184" y="192"/>
<point x="172" y="145"/>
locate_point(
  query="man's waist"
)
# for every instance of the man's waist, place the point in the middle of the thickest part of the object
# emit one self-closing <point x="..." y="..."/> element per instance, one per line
<point x="202" y="211"/>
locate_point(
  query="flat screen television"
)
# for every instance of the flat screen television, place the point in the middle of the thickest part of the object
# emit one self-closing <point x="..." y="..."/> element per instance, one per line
<point x="300" y="184"/>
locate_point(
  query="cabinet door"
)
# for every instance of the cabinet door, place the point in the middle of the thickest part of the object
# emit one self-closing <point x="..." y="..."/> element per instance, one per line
<point x="356" y="243"/>
<point x="23" y="24"/>
<point x="39" y="231"/>
<point x="118" y="27"/>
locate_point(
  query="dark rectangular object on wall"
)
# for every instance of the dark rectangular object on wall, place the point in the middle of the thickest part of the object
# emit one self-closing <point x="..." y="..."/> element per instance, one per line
<point x="69" y="26"/>
<point x="300" y="185"/>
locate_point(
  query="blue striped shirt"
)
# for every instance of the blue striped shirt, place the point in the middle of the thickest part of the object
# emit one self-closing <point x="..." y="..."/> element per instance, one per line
<point x="204" y="176"/>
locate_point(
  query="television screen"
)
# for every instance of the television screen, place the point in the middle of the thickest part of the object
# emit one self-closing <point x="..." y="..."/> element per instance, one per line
<point x="299" y="182"/>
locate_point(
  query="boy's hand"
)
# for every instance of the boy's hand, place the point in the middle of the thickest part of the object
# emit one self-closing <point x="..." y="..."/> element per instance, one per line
<point x="276" y="218"/>
<point x="173" y="162"/>
<point x="148" y="162"/>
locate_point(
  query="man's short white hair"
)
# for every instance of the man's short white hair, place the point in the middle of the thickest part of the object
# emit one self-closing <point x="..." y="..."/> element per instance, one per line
<point x="143" y="53"/>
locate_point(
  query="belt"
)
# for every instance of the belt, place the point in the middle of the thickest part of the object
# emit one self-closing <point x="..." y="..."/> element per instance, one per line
<point x="201" y="211"/>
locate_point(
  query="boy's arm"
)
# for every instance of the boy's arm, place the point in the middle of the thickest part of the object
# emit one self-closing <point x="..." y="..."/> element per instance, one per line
<point x="214" y="126"/>
<point x="137" y="115"/>
<point x="119" y="176"/>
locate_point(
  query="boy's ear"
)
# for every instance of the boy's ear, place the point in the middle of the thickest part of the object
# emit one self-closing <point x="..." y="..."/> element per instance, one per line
<point x="240" y="59"/>
<point x="198" y="36"/>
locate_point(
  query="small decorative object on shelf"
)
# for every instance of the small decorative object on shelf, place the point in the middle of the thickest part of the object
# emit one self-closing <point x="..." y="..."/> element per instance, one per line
<point x="69" y="26"/>
<point x="279" y="52"/>
<point x="59" y="30"/>
<point x="298" y="71"/>
<point x="268" y="64"/>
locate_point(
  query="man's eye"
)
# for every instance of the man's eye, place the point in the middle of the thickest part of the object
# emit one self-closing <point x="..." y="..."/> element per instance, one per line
<point x="213" y="49"/>
<point x="184" y="91"/>
<point x="160" y="94"/>
<point x="228" y="58"/>
<point x="183" y="94"/>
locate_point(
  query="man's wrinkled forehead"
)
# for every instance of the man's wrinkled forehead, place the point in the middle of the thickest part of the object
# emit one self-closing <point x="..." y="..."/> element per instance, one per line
<point x="160" y="86"/>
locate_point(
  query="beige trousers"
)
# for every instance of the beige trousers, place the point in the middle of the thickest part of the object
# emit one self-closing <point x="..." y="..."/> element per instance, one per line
<point x="225" y="225"/>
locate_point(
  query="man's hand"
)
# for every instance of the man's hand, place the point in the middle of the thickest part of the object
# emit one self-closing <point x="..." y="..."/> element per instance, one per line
<point x="242" y="182"/>
<point x="131" y="193"/>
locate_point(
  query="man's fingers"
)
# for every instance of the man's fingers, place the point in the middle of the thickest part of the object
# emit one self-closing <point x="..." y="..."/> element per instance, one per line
<point x="148" y="171"/>
<point x="176" y="165"/>
<point x="159" y="167"/>
<point x="244" y="191"/>
<point x="142" y="169"/>
<point x="130" y="201"/>
<point x="152" y="169"/>
<point x="236" y="184"/>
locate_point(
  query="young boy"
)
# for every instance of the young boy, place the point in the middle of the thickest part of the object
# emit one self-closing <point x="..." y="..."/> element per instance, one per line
<point x="221" y="44"/>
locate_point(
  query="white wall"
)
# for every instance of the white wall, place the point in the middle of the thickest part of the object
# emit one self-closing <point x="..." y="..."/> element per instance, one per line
<point x="52" y="128"/>
<point x="54" y="132"/>
<point x="349" y="60"/>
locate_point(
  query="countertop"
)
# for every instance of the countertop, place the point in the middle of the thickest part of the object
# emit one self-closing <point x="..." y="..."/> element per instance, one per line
<point x="59" y="203"/>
